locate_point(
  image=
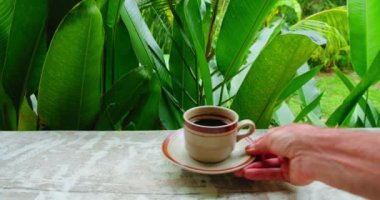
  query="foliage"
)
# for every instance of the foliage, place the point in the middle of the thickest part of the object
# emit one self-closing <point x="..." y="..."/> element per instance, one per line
<point x="113" y="65"/>
<point x="311" y="7"/>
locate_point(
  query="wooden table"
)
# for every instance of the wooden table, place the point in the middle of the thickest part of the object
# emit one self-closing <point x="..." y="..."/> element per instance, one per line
<point x="121" y="165"/>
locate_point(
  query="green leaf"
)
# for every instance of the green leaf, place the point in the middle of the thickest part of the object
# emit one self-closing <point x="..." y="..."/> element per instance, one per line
<point x="272" y="71"/>
<point x="122" y="98"/>
<point x="27" y="120"/>
<point x="266" y="35"/>
<point x="336" y="17"/>
<point x="119" y="55"/>
<point x="241" y="23"/>
<point x="364" y="103"/>
<point x="298" y="82"/>
<point x="145" y="115"/>
<point x="364" y="33"/>
<point x="170" y="116"/>
<point x="70" y="86"/>
<point x="371" y="77"/>
<point x="113" y="12"/>
<point x="8" y="115"/>
<point x="23" y="54"/>
<point x="125" y="59"/>
<point x="6" y="10"/>
<point x="146" y="48"/>
<point x="308" y="109"/>
<point x="315" y="120"/>
<point x="183" y="67"/>
<point x="194" y="25"/>
<point x="308" y="92"/>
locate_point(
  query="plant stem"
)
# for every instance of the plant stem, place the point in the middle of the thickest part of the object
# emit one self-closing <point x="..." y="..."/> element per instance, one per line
<point x="211" y="32"/>
<point x="221" y="95"/>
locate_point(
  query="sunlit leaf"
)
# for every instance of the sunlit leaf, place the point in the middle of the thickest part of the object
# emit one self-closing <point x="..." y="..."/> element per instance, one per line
<point x="270" y="74"/>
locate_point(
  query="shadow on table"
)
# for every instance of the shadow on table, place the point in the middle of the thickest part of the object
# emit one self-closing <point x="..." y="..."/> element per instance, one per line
<point x="229" y="184"/>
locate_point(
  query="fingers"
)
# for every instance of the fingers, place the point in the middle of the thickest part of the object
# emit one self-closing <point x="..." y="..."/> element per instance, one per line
<point x="264" y="174"/>
<point x="269" y="163"/>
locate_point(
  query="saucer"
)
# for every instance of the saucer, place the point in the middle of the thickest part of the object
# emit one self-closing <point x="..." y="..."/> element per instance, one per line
<point x="174" y="149"/>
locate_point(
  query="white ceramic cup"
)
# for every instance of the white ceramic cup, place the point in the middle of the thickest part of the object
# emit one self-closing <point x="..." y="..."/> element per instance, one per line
<point x="213" y="143"/>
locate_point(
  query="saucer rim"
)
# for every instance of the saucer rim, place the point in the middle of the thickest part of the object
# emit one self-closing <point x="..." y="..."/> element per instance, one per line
<point x="167" y="154"/>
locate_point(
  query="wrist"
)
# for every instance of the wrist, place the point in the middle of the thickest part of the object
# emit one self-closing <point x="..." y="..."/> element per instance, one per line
<point x="311" y="151"/>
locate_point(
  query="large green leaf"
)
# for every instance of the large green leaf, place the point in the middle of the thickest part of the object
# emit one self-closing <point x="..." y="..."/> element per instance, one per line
<point x="364" y="33"/>
<point x="242" y="21"/>
<point x="270" y="74"/>
<point x="7" y="112"/>
<point x="146" y="48"/>
<point x="23" y="54"/>
<point x="6" y="11"/>
<point x="70" y="87"/>
<point x="371" y="77"/>
<point x="122" y="98"/>
<point x="194" y="24"/>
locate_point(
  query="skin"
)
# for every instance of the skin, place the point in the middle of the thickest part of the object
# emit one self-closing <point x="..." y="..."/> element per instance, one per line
<point x="300" y="154"/>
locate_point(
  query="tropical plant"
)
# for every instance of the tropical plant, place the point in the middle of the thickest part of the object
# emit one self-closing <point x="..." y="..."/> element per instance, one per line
<point x="102" y="67"/>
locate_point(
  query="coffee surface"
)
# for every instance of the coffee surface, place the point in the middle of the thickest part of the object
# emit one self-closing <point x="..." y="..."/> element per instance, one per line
<point x="210" y="122"/>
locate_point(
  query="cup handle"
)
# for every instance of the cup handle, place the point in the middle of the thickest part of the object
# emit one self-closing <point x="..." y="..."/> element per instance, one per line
<point x="241" y="125"/>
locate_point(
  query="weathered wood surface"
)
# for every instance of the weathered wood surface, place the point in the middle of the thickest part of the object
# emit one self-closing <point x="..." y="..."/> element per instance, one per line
<point x="120" y="165"/>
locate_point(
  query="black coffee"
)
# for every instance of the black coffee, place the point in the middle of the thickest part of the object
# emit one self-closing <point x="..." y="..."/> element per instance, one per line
<point x="210" y="122"/>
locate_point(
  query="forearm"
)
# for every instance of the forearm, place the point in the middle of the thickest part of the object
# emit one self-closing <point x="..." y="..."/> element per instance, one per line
<point x="349" y="161"/>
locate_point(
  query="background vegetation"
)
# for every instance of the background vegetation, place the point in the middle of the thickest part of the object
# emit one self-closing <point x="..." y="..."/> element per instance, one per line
<point x="113" y="64"/>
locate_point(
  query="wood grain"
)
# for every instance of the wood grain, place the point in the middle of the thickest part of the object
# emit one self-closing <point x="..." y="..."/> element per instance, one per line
<point x="121" y="165"/>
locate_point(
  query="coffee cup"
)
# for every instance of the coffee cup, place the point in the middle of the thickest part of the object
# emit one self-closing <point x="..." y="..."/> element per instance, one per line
<point x="211" y="132"/>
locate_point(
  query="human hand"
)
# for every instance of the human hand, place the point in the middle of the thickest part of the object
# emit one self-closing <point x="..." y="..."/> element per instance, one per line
<point x="285" y="155"/>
